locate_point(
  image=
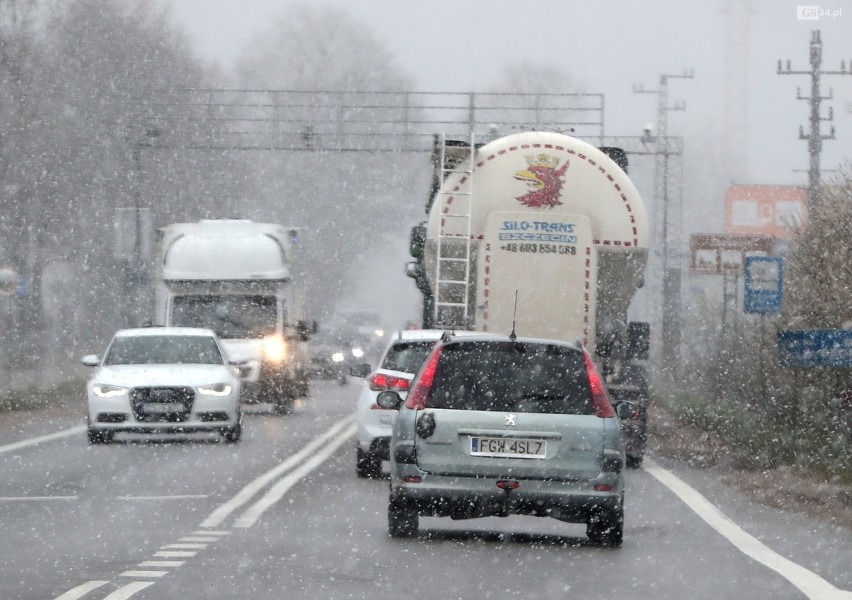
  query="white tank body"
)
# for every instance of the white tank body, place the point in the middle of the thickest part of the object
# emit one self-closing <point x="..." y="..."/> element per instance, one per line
<point x="548" y="217"/>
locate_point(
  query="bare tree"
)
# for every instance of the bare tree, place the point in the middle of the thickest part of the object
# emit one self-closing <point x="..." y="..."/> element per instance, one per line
<point x="345" y="202"/>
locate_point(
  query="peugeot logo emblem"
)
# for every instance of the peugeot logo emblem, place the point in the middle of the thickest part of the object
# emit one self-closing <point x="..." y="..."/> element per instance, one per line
<point x="510" y="420"/>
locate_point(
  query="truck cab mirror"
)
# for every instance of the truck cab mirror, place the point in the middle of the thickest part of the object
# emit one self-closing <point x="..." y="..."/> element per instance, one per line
<point x="417" y="240"/>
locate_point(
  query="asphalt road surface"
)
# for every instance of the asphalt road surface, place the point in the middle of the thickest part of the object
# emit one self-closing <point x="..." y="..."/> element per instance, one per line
<point x="281" y="514"/>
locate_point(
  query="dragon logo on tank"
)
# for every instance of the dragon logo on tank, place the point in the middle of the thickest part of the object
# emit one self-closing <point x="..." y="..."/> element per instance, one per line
<point x="544" y="178"/>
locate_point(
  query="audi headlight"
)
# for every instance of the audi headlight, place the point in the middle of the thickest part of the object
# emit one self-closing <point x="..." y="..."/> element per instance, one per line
<point x="215" y="389"/>
<point x="274" y="349"/>
<point x="337" y="357"/>
<point x="105" y="390"/>
<point x="357" y="352"/>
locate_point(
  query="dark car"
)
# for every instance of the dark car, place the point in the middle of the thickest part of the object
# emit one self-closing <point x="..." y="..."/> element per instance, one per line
<point x="333" y="352"/>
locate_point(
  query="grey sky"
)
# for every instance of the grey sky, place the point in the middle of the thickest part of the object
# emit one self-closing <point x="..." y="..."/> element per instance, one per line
<point x="604" y="46"/>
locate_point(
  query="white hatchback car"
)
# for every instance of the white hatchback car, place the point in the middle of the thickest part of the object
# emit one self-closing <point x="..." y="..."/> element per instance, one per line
<point x="401" y="359"/>
<point x="163" y="380"/>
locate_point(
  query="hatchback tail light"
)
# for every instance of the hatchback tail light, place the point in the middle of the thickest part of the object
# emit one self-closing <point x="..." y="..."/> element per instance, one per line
<point x="383" y="383"/>
<point x="603" y="407"/>
<point x="418" y="398"/>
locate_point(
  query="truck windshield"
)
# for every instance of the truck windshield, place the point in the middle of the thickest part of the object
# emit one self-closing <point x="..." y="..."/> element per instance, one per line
<point x="230" y="316"/>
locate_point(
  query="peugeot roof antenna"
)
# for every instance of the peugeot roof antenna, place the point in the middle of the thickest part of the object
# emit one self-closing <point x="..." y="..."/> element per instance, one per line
<point x="513" y="336"/>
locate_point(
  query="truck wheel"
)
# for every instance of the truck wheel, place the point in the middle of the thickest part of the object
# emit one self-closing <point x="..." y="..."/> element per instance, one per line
<point x="403" y="521"/>
<point x="368" y="465"/>
<point x="283" y="405"/>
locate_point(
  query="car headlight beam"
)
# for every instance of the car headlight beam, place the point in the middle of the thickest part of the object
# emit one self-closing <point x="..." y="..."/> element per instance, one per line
<point x="274" y="349"/>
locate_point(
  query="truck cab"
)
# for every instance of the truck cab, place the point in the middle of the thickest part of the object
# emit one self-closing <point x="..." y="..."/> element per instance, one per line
<point x="234" y="276"/>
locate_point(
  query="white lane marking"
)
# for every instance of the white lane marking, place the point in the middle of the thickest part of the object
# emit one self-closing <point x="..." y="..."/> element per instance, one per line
<point x="184" y="547"/>
<point x="254" y="512"/>
<point x="35" y="498"/>
<point x="42" y="438"/>
<point x="168" y="564"/>
<point x="177" y="497"/>
<point x="809" y="583"/>
<point x="244" y="495"/>
<point x="128" y="590"/>
<point x="173" y="554"/>
<point x="81" y="590"/>
<point x="199" y="538"/>
<point x="210" y="532"/>
<point x="143" y="574"/>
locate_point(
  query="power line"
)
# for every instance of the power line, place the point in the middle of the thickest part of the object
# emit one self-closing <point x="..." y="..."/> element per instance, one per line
<point x="814" y="135"/>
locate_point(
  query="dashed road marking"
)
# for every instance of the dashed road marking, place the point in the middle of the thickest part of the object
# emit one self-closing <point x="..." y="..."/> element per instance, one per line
<point x="300" y="464"/>
<point x="184" y="546"/>
<point x="173" y="554"/>
<point x="81" y="590"/>
<point x="143" y="574"/>
<point x="128" y="590"/>
<point x="161" y="563"/>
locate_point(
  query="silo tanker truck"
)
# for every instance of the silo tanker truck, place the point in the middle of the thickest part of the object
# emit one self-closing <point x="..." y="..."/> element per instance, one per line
<point x="235" y="276"/>
<point x="546" y="233"/>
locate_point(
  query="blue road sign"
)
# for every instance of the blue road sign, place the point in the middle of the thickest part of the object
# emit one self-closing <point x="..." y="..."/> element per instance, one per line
<point x="764" y="284"/>
<point x="815" y="348"/>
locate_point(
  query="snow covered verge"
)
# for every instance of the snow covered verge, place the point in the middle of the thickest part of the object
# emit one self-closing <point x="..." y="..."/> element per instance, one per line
<point x="781" y="486"/>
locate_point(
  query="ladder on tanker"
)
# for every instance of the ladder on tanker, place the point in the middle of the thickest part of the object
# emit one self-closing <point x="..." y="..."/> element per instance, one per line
<point x="453" y="264"/>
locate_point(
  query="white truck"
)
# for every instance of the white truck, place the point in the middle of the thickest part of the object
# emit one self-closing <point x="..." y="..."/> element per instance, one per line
<point x="235" y="276"/>
<point x="543" y="234"/>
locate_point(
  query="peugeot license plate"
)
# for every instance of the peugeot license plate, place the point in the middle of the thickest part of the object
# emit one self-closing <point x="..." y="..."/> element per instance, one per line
<point x="508" y="447"/>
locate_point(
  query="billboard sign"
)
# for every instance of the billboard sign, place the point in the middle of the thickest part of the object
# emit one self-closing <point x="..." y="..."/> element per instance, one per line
<point x="763" y="290"/>
<point x="725" y="254"/>
<point x="771" y="210"/>
<point x="815" y="348"/>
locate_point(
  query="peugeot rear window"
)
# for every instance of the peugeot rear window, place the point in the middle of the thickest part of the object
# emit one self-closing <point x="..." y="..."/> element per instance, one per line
<point x="407" y="356"/>
<point x="513" y="377"/>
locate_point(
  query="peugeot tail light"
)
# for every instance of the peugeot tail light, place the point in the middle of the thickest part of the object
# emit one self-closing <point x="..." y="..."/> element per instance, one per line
<point x="603" y="407"/>
<point x="418" y="398"/>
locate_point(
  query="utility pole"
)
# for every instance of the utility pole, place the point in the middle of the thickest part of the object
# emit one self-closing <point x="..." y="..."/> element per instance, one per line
<point x="668" y="248"/>
<point x="815" y="136"/>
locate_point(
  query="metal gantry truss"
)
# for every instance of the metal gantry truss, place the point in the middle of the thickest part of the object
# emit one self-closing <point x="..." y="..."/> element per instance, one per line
<point x="389" y="121"/>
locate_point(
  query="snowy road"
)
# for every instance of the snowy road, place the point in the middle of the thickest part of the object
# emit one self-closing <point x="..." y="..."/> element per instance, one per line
<point x="282" y="514"/>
